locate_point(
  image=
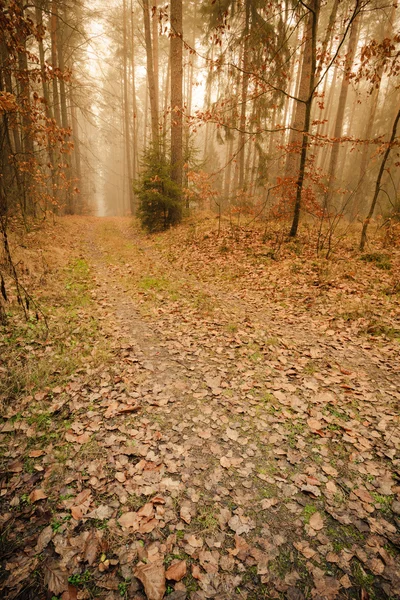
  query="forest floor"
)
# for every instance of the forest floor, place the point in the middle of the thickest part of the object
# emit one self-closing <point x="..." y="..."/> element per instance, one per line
<point x="208" y="416"/>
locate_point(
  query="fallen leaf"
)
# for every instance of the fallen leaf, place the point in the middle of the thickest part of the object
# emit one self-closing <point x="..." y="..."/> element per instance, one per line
<point x="268" y="502"/>
<point x="81" y="504"/>
<point x="364" y="495"/>
<point x="185" y="512"/>
<point x="195" y="542"/>
<point x="37" y="495"/>
<point x="101" y="512"/>
<point x="316" y="521"/>
<point x="314" y="424"/>
<point x="177" y="571"/>
<point x="311" y="489"/>
<point x="129" y="520"/>
<point x="44" y="538"/>
<point x="305" y="549"/>
<point x="92" y="547"/>
<point x="152" y="577"/>
<point x="55" y="579"/>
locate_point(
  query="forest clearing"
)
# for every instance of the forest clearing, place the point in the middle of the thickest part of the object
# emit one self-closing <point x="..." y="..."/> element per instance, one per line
<point x="199" y="300"/>
<point x="213" y="416"/>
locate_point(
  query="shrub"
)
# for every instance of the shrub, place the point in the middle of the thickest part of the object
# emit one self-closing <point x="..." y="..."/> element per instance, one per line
<point x="160" y="198"/>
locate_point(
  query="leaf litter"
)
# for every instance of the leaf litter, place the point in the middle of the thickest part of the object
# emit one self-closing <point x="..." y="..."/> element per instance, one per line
<point x="228" y="449"/>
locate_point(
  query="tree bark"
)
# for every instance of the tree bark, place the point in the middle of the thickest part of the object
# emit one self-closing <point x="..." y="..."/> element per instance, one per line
<point x="353" y="39"/>
<point x="176" y="92"/>
<point x="309" y="69"/>
<point x="53" y="35"/>
<point x="127" y="112"/>
<point x="150" y="75"/>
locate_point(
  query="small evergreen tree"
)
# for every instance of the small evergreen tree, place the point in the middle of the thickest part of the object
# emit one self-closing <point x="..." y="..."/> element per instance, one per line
<point x="160" y="199"/>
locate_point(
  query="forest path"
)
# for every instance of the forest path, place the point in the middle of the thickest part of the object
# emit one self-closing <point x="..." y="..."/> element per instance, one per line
<point x="232" y="444"/>
<point x="252" y="410"/>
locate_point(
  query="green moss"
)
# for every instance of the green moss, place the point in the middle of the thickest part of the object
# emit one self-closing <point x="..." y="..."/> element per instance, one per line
<point x="308" y="511"/>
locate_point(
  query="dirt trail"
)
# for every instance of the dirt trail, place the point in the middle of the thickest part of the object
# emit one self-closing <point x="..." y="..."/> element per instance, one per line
<point x="257" y="456"/>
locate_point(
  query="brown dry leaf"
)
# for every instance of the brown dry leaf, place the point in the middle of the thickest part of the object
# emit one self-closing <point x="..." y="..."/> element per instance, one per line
<point x="129" y="520"/>
<point x="186" y="512"/>
<point x="329" y="470"/>
<point x="101" y="512"/>
<point x="152" y="577"/>
<point x="327" y="587"/>
<point x="44" y="539"/>
<point x="196" y="572"/>
<point x="148" y="526"/>
<point x="316" y="521"/>
<point x="376" y="566"/>
<point x="119" y="476"/>
<point x="70" y="594"/>
<point x="125" y="408"/>
<point x="225" y="462"/>
<point x="195" y="542"/>
<point x="232" y="434"/>
<point x="15" y="467"/>
<point x="55" y="579"/>
<point x="92" y="547"/>
<point x="305" y="549"/>
<point x="345" y="582"/>
<point x="227" y="563"/>
<point x="311" y="489"/>
<point x="81" y="504"/>
<point x="111" y="410"/>
<point x="331" y="487"/>
<point x="146" y="511"/>
<point x="364" y="496"/>
<point x="268" y="502"/>
<point x="37" y="495"/>
<point x="36" y="453"/>
<point x="176" y="571"/>
<point x="314" y="424"/>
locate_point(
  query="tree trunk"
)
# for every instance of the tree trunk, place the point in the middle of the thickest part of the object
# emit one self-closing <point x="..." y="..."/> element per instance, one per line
<point x="244" y="91"/>
<point x="353" y="39"/>
<point x="135" y="151"/>
<point x="309" y="68"/>
<point x="378" y="183"/>
<point x="127" y="112"/>
<point x="150" y="75"/>
<point x="155" y="53"/>
<point x="53" y="35"/>
<point x="372" y="114"/>
<point x="299" y="119"/>
<point x="176" y="92"/>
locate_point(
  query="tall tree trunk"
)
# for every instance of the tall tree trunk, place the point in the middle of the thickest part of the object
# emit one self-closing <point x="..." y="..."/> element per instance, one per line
<point x="299" y="114"/>
<point x="135" y="151"/>
<point x="176" y="91"/>
<point x="150" y="76"/>
<point x="372" y="114"/>
<point x="309" y="68"/>
<point x="53" y="35"/>
<point x="353" y="39"/>
<point x="166" y="98"/>
<point x="378" y="182"/>
<point x="70" y="208"/>
<point x="244" y="91"/>
<point x="155" y="52"/>
<point x="127" y="112"/>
